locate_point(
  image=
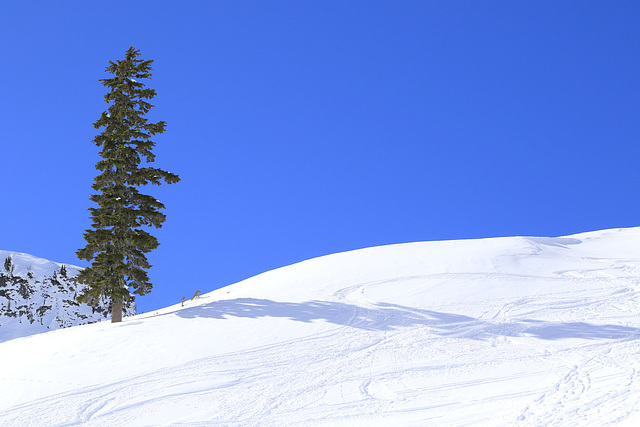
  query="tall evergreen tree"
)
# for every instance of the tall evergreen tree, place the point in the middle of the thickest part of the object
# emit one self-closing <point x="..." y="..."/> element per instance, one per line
<point x="116" y="246"/>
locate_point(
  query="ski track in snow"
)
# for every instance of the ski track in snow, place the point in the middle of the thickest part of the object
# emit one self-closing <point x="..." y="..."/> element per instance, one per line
<point x="567" y="353"/>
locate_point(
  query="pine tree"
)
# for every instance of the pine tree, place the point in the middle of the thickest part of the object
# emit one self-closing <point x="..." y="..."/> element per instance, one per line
<point x="8" y="265"/>
<point x="116" y="246"/>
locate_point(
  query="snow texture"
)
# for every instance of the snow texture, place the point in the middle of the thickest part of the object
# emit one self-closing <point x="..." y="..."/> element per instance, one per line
<point x="507" y="331"/>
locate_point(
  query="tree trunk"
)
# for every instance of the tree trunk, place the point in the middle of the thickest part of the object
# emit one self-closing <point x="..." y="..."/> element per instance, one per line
<point x="116" y="310"/>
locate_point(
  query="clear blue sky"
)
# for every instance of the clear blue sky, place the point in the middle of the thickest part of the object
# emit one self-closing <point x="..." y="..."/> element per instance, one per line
<point x="304" y="128"/>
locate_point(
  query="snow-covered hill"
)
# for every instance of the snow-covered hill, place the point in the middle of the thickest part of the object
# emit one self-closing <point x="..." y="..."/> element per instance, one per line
<point x="38" y="295"/>
<point x="506" y="331"/>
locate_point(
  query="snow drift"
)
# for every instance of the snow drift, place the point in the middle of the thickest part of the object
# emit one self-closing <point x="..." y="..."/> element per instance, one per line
<point x="503" y="331"/>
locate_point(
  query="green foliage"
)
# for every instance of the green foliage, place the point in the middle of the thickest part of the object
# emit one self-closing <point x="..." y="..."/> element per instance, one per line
<point x="8" y="265"/>
<point x="116" y="246"/>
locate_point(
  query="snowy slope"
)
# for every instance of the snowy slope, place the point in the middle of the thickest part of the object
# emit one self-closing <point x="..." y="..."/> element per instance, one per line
<point x="506" y="331"/>
<point x="38" y="295"/>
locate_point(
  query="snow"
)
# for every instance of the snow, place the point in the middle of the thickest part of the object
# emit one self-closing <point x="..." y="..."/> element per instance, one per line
<point x="506" y="331"/>
<point x="39" y="267"/>
<point x="38" y="295"/>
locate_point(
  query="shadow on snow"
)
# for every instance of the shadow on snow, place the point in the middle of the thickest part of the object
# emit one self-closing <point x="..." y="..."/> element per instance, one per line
<point x="387" y="317"/>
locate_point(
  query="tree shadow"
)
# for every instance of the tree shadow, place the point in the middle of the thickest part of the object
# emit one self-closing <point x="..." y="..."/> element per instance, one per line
<point x="562" y="242"/>
<point x="387" y="317"/>
<point x="557" y="331"/>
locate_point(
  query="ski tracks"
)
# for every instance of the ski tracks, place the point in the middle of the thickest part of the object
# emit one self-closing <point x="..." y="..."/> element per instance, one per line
<point x="600" y="380"/>
<point x="595" y="389"/>
<point x="415" y="365"/>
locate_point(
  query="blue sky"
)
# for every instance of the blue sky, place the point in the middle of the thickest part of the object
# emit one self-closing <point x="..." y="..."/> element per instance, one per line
<point x="301" y="129"/>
